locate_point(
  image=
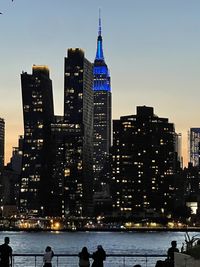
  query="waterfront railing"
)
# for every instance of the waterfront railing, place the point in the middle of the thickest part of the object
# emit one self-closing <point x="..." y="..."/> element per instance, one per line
<point x="71" y="260"/>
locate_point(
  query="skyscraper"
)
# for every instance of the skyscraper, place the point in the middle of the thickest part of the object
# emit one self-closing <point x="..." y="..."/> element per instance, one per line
<point x="178" y="148"/>
<point x="36" y="187"/>
<point x="2" y="143"/>
<point x="102" y="110"/>
<point x="59" y="131"/>
<point x="143" y="163"/>
<point x="194" y="146"/>
<point x="78" y="120"/>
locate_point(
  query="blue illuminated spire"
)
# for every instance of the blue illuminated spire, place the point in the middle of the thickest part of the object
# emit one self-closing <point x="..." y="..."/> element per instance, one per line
<point x="100" y="69"/>
<point x="99" y="54"/>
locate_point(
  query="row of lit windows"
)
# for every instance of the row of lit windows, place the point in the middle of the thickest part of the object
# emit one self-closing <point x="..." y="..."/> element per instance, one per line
<point x="38" y="110"/>
<point x="36" y="94"/>
<point x="37" y="102"/>
<point x="73" y="73"/>
<point x="99" y="103"/>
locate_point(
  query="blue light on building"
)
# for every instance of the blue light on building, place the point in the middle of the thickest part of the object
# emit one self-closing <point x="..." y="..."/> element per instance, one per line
<point x="102" y="114"/>
<point x="99" y="55"/>
<point x="100" y="69"/>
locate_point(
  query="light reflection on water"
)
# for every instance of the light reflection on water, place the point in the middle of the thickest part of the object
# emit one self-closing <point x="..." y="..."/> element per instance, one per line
<point x="113" y="242"/>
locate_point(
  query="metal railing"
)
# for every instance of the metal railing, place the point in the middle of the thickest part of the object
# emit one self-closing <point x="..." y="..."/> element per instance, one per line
<point x="71" y="260"/>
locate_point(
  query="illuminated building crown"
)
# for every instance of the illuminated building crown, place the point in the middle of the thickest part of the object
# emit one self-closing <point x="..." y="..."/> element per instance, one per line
<point x="100" y="70"/>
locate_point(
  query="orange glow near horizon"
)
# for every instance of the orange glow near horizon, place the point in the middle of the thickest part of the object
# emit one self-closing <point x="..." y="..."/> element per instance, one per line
<point x="12" y="134"/>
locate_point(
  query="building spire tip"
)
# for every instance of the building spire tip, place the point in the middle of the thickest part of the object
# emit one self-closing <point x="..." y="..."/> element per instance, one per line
<point x="99" y="54"/>
<point x="99" y="21"/>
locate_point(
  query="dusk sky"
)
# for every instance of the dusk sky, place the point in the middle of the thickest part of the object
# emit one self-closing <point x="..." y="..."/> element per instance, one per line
<point x="152" y="48"/>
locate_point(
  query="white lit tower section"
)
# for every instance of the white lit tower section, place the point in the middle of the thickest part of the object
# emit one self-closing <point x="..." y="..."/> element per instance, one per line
<point x="102" y="112"/>
<point x="2" y="143"/>
<point x="178" y="147"/>
<point x="194" y="149"/>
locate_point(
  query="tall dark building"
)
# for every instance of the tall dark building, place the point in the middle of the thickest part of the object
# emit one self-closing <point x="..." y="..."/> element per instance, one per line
<point x="36" y="186"/>
<point x="2" y="143"/>
<point x="78" y="119"/>
<point x="143" y="160"/>
<point x="60" y="131"/>
<point x="102" y="111"/>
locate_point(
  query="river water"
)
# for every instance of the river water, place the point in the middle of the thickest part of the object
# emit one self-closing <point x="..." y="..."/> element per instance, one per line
<point x="72" y="243"/>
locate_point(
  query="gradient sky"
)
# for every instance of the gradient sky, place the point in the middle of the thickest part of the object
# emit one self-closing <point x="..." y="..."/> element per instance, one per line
<point x="152" y="48"/>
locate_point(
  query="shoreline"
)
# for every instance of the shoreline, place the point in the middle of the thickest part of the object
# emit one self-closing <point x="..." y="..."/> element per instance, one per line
<point x="135" y="229"/>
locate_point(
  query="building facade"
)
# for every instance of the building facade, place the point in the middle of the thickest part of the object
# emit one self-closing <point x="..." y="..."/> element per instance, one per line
<point x="58" y="163"/>
<point x="36" y="186"/>
<point x="194" y="146"/>
<point x="78" y="141"/>
<point x="143" y="163"/>
<point x="102" y="113"/>
<point x="2" y="143"/>
<point x="178" y="148"/>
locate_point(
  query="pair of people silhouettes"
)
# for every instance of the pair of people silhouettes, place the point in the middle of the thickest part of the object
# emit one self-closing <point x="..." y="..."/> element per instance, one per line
<point x="98" y="257"/>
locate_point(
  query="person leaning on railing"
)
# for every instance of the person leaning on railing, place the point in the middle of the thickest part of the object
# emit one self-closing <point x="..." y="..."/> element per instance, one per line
<point x="170" y="254"/>
<point x="6" y="253"/>
<point x="99" y="256"/>
<point x="48" y="255"/>
<point x="84" y="256"/>
<point x="169" y="262"/>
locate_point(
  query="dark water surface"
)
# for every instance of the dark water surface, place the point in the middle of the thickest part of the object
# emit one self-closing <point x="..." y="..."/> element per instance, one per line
<point x="113" y="242"/>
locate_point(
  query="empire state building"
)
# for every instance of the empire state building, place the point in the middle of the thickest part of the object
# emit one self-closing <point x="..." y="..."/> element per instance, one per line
<point x="102" y="112"/>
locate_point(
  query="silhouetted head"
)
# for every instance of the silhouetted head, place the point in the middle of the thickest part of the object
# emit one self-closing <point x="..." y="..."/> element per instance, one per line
<point x="137" y="265"/>
<point x="7" y="240"/>
<point x="84" y="250"/>
<point x="48" y="248"/>
<point x="173" y="243"/>
<point x="99" y="247"/>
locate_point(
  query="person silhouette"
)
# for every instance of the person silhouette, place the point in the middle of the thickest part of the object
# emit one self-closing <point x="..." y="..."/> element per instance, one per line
<point x="170" y="253"/>
<point x="99" y="257"/>
<point x="171" y="250"/>
<point x="48" y="255"/>
<point x="84" y="258"/>
<point x="6" y="253"/>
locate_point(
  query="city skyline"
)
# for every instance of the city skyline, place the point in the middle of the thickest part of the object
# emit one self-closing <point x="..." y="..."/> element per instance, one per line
<point x="151" y="49"/>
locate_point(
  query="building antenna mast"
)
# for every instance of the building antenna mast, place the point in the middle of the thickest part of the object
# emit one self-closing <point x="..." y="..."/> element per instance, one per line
<point x="99" y="21"/>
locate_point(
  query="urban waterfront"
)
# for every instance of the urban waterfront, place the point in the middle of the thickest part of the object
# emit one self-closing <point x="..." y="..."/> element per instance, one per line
<point x="124" y="243"/>
<point x="86" y="175"/>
